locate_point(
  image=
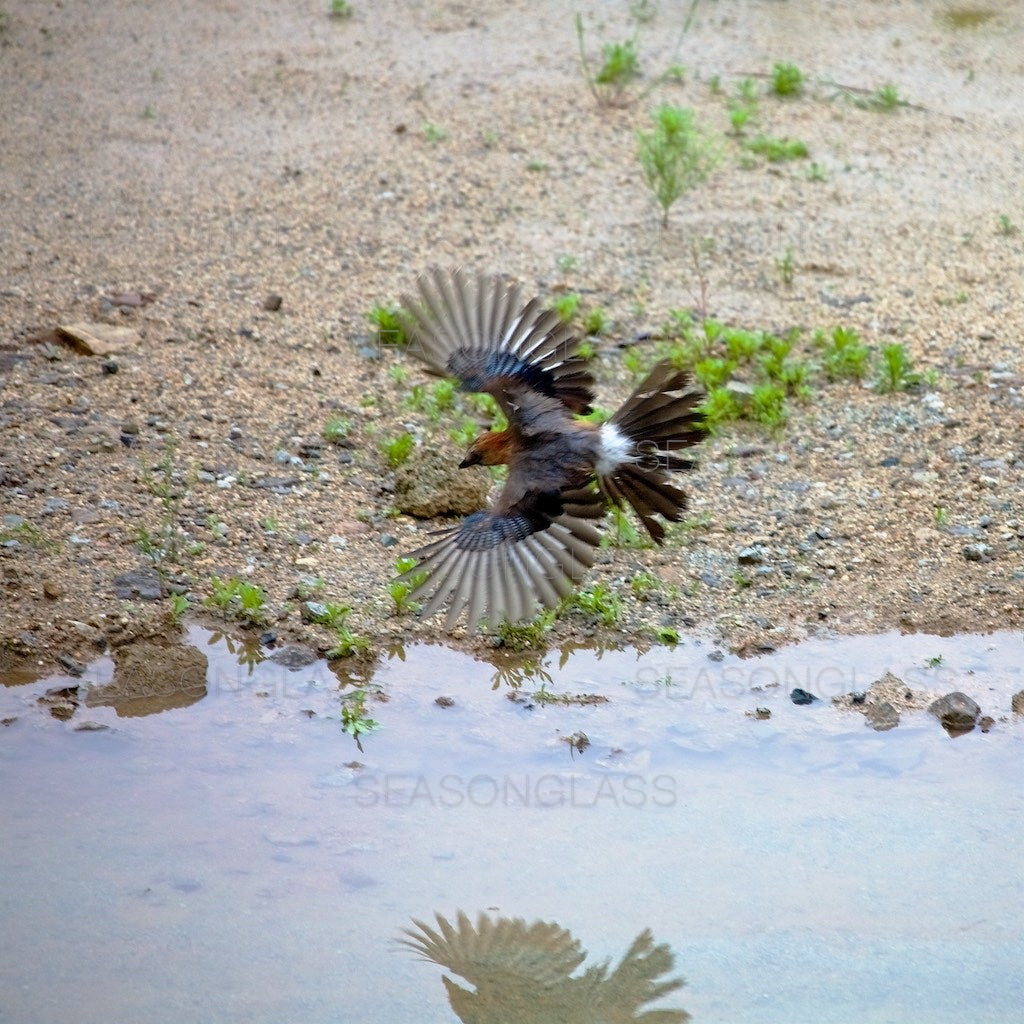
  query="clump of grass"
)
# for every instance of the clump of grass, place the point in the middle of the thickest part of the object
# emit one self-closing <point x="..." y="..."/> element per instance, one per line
<point x="619" y="68"/>
<point x="566" y="306"/>
<point x="398" y="449"/>
<point x="777" y="150"/>
<point x="337" y="429"/>
<point x="623" y="532"/>
<point x="401" y="589"/>
<point x="347" y="643"/>
<point x="667" y="635"/>
<point x="743" y="107"/>
<point x="341" y="9"/>
<point x="238" y="599"/>
<point x="433" y="132"/>
<point x="599" y="600"/>
<point x="524" y="636"/>
<point x="844" y="357"/>
<point x="886" y="98"/>
<point x="787" y="79"/>
<point x="675" y="155"/>
<point x="331" y="614"/>
<point x="28" y="533"/>
<point x="177" y="605"/>
<point x="1006" y="227"/>
<point x="595" y="322"/>
<point x="387" y="321"/>
<point x="897" y="370"/>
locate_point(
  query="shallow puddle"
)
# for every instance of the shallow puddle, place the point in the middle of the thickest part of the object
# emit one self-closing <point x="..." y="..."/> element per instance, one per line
<point x="241" y="859"/>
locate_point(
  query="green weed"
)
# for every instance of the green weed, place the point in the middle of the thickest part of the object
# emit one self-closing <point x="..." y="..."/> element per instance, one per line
<point x="432" y="132"/>
<point x="401" y="589"/>
<point x="786" y="267"/>
<point x="566" y="306"/>
<point x="341" y="9"/>
<point x="787" y="80"/>
<point x="885" y="98"/>
<point x="619" y="68"/>
<point x="354" y="718"/>
<point x="28" y="533"/>
<point x="675" y="155"/>
<point x="595" y="322"/>
<point x="524" y="636"/>
<point x="235" y="598"/>
<point x="844" y="356"/>
<point x="177" y="605"/>
<point x="777" y="150"/>
<point x="897" y="370"/>
<point x="398" y="449"/>
<point x="1006" y="227"/>
<point x="337" y="429"/>
<point x="599" y="600"/>
<point x="388" y="324"/>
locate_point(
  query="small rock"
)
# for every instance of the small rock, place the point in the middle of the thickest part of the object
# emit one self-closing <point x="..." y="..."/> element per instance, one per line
<point x="1017" y="703"/>
<point x="96" y="339"/>
<point x="802" y="697"/>
<point x="91" y="727"/>
<point x="957" y="712"/>
<point x="881" y="716"/>
<point x="55" y="505"/>
<point x="756" y="554"/>
<point x="70" y="665"/>
<point x="53" y="590"/>
<point x="294" y="656"/>
<point x="272" y="303"/>
<point x="445" y="702"/>
<point x="388" y="540"/>
<point x="979" y="552"/>
<point x="985" y="723"/>
<point x="110" y="367"/>
<point x="142" y="584"/>
<point x="313" y="611"/>
<point x="762" y="714"/>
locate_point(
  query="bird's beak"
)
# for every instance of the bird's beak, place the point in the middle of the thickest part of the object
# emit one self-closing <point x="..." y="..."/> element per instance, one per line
<point x="471" y="459"/>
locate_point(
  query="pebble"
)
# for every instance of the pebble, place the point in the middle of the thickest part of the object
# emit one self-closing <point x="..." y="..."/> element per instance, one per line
<point x="55" y="505"/>
<point x="956" y="711"/>
<point x="1017" y="703"/>
<point x="755" y="554"/>
<point x="70" y="665"/>
<point x="881" y="716"/>
<point x="979" y="552"/>
<point x="142" y="584"/>
<point x="802" y="697"/>
<point x="294" y="656"/>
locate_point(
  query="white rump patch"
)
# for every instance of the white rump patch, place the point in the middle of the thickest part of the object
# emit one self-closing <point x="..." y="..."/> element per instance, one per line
<point x="616" y="449"/>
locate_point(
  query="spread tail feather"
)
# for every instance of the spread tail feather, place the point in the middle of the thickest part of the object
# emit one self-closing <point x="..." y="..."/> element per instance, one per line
<point x="657" y="420"/>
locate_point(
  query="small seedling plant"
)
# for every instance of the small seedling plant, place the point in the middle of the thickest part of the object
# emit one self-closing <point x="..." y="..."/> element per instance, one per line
<point x="675" y="155"/>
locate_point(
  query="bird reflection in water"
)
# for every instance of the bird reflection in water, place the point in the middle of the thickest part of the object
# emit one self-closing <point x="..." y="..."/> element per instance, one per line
<point x="524" y="973"/>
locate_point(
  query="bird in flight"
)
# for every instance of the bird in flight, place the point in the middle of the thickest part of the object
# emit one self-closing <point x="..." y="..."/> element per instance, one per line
<point x="538" y="539"/>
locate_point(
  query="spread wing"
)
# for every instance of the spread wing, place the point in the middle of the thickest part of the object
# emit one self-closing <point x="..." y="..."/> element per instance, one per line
<point x="476" y="328"/>
<point x="531" y="546"/>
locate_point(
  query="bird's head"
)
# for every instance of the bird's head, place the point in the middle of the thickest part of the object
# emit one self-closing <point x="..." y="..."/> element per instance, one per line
<point x="494" y="448"/>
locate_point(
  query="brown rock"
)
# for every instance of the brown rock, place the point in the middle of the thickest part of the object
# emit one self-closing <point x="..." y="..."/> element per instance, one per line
<point x="431" y="484"/>
<point x="53" y="590"/>
<point x="95" y="339"/>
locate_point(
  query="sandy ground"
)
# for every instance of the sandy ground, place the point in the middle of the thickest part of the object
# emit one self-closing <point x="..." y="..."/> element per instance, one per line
<point x="167" y="167"/>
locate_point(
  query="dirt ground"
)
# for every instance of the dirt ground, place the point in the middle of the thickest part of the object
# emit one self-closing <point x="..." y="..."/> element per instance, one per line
<point x="169" y="168"/>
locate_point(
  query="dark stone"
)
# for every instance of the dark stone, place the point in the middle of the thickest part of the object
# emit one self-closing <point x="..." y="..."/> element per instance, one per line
<point x="979" y="552"/>
<point x="272" y="303"/>
<point x="142" y="584"/>
<point x="1017" y="703"/>
<point x="294" y="656"/>
<point x="801" y="697"/>
<point x="269" y="638"/>
<point x="70" y="665"/>
<point x="957" y="712"/>
<point x="445" y="702"/>
<point x="889" y="461"/>
<point x="858" y="698"/>
<point x="110" y="367"/>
